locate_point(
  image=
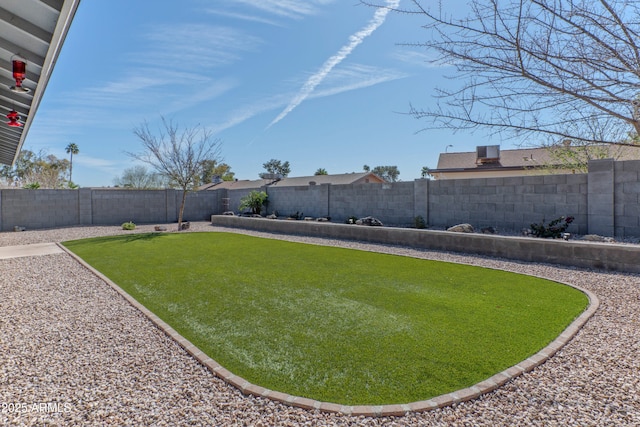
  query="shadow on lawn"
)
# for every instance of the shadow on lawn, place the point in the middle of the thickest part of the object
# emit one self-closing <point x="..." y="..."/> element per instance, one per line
<point x="124" y="239"/>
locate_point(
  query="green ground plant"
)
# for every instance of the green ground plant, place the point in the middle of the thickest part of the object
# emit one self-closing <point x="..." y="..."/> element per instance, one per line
<point x="553" y="229"/>
<point x="334" y="324"/>
<point x="129" y="225"/>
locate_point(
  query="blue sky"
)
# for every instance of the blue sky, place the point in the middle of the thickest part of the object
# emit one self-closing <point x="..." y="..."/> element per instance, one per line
<point x="319" y="83"/>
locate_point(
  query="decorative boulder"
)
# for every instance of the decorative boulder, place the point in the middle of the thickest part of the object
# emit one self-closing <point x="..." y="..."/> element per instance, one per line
<point x="370" y="221"/>
<point x="160" y="228"/>
<point x="229" y="213"/>
<point x="185" y="225"/>
<point x="488" y="230"/>
<point x="272" y="216"/>
<point x="462" y="228"/>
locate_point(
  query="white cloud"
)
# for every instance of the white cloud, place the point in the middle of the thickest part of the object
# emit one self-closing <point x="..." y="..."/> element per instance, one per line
<point x="294" y="9"/>
<point x="93" y="162"/>
<point x="355" y="77"/>
<point x="422" y="59"/>
<point x="246" y="112"/>
<point x="242" y="16"/>
<point x="195" y="46"/>
<point x="326" y="68"/>
<point x="343" y="79"/>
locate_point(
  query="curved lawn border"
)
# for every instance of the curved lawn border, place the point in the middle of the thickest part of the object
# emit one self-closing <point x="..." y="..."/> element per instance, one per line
<point x="470" y="393"/>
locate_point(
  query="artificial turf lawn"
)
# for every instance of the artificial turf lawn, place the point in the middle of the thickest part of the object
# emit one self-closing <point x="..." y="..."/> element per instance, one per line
<point x="334" y="324"/>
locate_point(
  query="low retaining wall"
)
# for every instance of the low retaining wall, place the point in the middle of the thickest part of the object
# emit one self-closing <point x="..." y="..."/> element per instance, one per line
<point x="607" y="256"/>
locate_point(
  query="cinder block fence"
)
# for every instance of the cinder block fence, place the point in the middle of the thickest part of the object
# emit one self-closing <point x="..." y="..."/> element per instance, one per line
<point x="605" y="201"/>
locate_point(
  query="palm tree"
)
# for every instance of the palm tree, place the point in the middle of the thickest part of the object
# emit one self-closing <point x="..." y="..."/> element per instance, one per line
<point x="71" y="149"/>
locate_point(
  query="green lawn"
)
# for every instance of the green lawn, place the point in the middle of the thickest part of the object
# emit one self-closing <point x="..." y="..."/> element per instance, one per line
<point x="335" y="324"/>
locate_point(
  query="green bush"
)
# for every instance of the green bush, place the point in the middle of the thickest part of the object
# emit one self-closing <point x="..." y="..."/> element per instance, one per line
<point x="552" y="230"/>
<point x="254" y="201"/>
<point x="128" y="226"/>
<point x="419" y="222"/>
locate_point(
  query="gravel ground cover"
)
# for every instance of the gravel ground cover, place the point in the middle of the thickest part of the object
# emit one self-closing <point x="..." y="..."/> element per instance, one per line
<point x="73" y="352"/>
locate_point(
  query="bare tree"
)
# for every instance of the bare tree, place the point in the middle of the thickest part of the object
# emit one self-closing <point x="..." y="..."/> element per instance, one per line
<point x="561" y="69"/>
<point x="177" y="156"/>
<point x="139" y="177"/>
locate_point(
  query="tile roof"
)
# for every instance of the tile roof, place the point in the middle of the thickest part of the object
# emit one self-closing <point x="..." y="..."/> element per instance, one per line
<point x="243" y="184"/>
<point x="524" y="158"/>
<point x="334" y="179"/>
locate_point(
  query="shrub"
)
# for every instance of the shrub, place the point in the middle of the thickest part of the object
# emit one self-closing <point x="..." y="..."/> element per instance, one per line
<point x="554" y="229"/>
<point x="128" y="226"/>
<point x="297" y="216"/>
<point x="254" y="201"/>
<point x="351" y="220"/>
<point x="419" y="222"/>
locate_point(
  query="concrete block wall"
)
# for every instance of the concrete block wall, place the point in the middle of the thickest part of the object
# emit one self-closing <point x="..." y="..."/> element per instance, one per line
<point x="601" y="192"/>
<point x="234" y="198"/>
<point x="38" y="208"/>
<point x="199" y="205"/>
<point x="605" y="201"/>
<point x="391" y="203"/>
<point x="509" y="203"/>
<point x="311" y="200"/>
<point x="627" y="199"/>
<point x="118" y="206"/>
<point x="421" y="198"/>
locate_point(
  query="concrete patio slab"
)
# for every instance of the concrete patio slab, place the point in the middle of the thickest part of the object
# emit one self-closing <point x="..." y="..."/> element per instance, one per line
<point x="29" y="250"/>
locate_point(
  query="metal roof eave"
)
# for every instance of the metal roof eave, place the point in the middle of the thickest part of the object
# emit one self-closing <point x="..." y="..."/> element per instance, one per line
<point x="63" y="23"/>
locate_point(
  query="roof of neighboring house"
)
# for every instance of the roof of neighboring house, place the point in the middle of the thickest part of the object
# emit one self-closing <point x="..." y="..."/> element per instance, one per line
<point x="525" y="158"/>
<point x="242" y="184"/>
<point x="508" y="159"/>
<point x="335" y="179"/>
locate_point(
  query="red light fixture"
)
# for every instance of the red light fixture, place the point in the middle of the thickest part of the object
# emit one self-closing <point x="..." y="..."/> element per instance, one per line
<point x="19" y="73"/>
<point x="14" y="119"/>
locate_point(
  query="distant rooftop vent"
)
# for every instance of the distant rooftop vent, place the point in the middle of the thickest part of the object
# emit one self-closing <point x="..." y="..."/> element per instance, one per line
<point x="487" y="154"/>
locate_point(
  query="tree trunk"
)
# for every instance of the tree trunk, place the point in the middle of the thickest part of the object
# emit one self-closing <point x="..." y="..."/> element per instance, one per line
<point x="71" y="169"/>
<point x="181" y="211"/>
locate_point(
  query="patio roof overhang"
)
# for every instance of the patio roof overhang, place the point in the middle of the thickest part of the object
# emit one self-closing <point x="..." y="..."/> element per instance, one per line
<point x="34" y="30"/>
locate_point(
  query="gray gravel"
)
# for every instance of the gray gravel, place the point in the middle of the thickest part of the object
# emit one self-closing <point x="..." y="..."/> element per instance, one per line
<point x="73" y="352"/>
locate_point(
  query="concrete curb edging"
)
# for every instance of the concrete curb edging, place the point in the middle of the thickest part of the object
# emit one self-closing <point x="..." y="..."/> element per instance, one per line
<point x="486" y="386"/>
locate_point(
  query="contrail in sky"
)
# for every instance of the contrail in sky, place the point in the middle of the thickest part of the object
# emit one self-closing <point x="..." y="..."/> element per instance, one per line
<point x="354" y="40"/>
